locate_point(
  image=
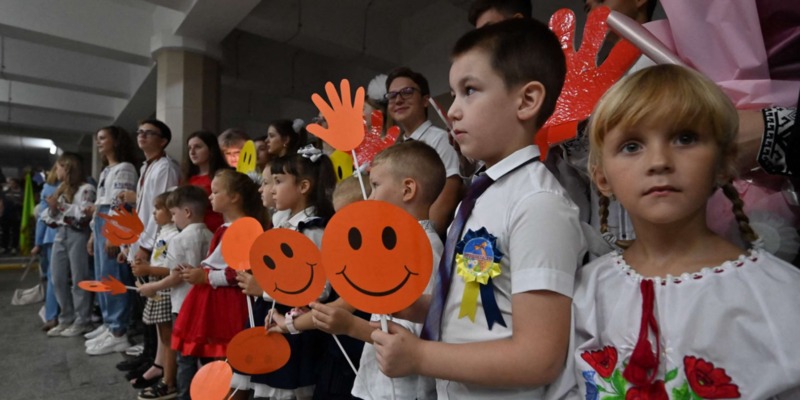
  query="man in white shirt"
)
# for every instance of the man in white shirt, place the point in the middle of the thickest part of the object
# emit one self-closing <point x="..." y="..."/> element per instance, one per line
<point x="407" y="93"/>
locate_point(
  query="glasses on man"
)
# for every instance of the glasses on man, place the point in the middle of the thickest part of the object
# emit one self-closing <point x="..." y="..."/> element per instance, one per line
<point x="405" y="93"/>
<point x="147" y="133"/>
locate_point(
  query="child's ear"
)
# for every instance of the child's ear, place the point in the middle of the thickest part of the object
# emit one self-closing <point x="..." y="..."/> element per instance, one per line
<point x="600" y="180"/>
<point x="409" y="189"/>
<point x="531" y="97"/>
<point x="188" y="212"/>
<point x="304" y="185"/>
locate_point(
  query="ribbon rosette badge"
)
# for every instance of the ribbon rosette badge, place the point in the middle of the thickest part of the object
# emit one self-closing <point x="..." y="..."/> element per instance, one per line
<point x="478" y="261"/>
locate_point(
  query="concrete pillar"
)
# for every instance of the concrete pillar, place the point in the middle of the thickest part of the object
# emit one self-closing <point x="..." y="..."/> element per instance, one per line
<point x="187" y="95"/>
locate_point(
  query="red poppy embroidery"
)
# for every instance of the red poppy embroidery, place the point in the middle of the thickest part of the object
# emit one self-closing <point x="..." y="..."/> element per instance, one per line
<point x="656" y="391"/>
<point x="603" y="361"/>
<point x="709" y="382"/>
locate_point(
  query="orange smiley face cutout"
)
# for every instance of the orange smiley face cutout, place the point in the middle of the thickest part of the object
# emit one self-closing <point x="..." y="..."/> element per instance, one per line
<point x="377" y="256"/>
<point x="256" y="351"/>
<point x="287" y="266"/>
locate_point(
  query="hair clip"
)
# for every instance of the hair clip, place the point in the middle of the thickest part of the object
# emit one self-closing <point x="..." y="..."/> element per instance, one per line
<point x="310" y="152"/>
<point x="376" y="90"/>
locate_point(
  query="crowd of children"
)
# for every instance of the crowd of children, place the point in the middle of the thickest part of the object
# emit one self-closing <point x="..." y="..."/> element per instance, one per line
<point x="675" y="311"/>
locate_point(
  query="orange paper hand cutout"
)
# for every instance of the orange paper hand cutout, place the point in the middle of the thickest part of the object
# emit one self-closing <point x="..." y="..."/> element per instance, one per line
<point x="345" y="130"/>
<point x="585" y="82"/>
<point x="256" y="351"/>
<point x="115" y="286"/>
<point x="376" y="256"/>
<point x="212" y="382"/>
<point x="237" y="240"/>
<point x="373" y="142"/>
<point x="124" y="227"/>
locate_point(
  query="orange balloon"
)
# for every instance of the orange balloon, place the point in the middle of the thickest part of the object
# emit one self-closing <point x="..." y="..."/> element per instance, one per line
<point x="94" y="286"/>
<point x="377" y="256"/>
<point x="256" y="351"/>
<point x="124" y="227"/>
<point x="237" y="240"/>
<point x="212" y="382"/>
<point x="286" y="264"/>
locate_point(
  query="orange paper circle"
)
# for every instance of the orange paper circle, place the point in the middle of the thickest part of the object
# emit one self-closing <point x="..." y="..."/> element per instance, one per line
<point x="377" y="256"/>
<point x="212" y="382"/>
<point x="237" y="240"/>
<point x="286" y="264"/>
<point x="94" y="286"/>
<point x="255" y="351"/>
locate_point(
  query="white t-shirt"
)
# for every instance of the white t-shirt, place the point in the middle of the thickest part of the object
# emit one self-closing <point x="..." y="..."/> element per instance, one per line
<point x="158" y="258"/>
<point x="539" y="234"/>
<point x="113" y="181"/>
<point x="154" y="179"/>
<point x="189" y="246"/>
<point x="371" y="383"/>
<point x="741" y="317"/>
<point x="437" y="138"/>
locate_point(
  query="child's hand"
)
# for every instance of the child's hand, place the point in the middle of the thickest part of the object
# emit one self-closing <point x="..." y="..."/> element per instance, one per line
<point x="342" y="116"/>
<point x="194" y="276"/>
<point x="278" y="322"/>
<point x="140" y="269"/>
<point x="333" y="320"/>
<point x="147" y="290"/>
<point x="249" y="284"/>
<point x="396" y="351"/>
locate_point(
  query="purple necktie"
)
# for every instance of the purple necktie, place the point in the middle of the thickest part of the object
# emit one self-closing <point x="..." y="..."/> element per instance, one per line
<point x="433" y="321"/>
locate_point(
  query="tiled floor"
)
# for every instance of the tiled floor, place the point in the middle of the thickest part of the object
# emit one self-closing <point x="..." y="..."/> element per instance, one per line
<point x="34" y="366"/>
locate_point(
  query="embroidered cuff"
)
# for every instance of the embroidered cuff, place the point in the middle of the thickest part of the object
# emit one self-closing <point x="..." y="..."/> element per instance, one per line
<point x="217" y="278"/>
<point x="780" y="145"/>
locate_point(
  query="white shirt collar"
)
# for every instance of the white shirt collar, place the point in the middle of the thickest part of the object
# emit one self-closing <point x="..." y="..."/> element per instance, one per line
<point x="420" y="131"/>
<point x="194" y="226"/>
<point x="513" y="161"/>
<point x="296" y="219"/>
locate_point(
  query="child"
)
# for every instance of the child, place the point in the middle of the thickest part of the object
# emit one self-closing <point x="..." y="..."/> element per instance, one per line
<point x="158" y="310"/>
<point x="44" y="248"/>
<point x="409" y="175"/>
<point x="187" y="206"/>
<point x="302" y="185"/>
<point x="69" y="262"/>
<point x="231" y="142"/>
<point x="505" y="79"/>
<point x="701" y="317"/>
<point x="214" y="310"/>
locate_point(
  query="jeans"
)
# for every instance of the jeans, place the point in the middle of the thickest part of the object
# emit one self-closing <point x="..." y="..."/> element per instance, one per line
<point x="69" y="258"/>
<point x="115" y="308"/>
<point x="50" y="302"/>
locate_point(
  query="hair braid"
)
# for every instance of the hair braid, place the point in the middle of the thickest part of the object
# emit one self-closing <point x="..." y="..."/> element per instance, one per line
<point x="748" y="234"/>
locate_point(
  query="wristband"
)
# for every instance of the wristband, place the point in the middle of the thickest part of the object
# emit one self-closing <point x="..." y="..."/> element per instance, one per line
<point x="295" y="312"/>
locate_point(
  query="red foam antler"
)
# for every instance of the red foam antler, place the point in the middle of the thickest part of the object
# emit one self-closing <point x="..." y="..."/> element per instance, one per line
<point x="585" y="81"/>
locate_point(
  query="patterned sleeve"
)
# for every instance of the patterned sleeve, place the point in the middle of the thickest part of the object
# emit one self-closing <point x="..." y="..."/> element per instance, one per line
<point x="125" y="179"/>
<point x="780" y="146"/>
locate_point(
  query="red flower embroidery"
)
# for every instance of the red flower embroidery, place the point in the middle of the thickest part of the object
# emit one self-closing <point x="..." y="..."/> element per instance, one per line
<point x="709" y="382"/>
<point x="656" y="391"/>
<point x="603" y="361"/>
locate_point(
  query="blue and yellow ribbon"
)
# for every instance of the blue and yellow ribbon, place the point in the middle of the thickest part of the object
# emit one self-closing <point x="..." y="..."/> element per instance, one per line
<point x="477" y="262"/>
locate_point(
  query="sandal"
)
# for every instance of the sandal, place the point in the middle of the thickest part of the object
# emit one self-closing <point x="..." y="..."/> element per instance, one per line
<point x="159" y="391"/>
<point x="141" y="382"/>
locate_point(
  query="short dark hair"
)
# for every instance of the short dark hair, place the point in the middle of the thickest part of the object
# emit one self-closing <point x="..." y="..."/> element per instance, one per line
<point x="416" y="160"/>
<point x="166" y="133"/>
<point x="189" y="196"/>
<point x="506" y="7"/>
<point x="521" y="50"/>
<point x="405" y="72"/>
<point x="285" y="129"/>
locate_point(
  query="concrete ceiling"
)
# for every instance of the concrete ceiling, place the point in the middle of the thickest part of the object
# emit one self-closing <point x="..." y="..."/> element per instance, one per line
<point x="69" y="67"/>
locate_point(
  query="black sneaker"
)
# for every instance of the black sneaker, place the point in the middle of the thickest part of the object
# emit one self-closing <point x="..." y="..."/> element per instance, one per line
<point x="159" y="391"/>
<point x="133" y="363"/>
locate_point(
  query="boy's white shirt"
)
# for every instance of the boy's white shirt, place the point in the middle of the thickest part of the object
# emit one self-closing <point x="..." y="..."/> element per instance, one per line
<point x="370" y="382"/>
<point x="188" y="247"/>
<point x="539" y="233"/>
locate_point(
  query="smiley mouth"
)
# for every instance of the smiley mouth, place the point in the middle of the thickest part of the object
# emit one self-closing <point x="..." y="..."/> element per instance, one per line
<point x="378" y="294"/>
<point x="303" y="289"/>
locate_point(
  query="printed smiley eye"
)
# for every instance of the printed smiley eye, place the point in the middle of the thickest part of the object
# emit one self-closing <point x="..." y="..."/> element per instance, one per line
<point x="269" y="262"/>
<point x="354" y="237"/>
<point x="389" y="237"/>
<point x="287" y="250"/>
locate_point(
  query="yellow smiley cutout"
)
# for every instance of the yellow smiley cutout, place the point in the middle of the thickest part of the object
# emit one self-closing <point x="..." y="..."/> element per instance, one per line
<point x="247" y="158"/>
